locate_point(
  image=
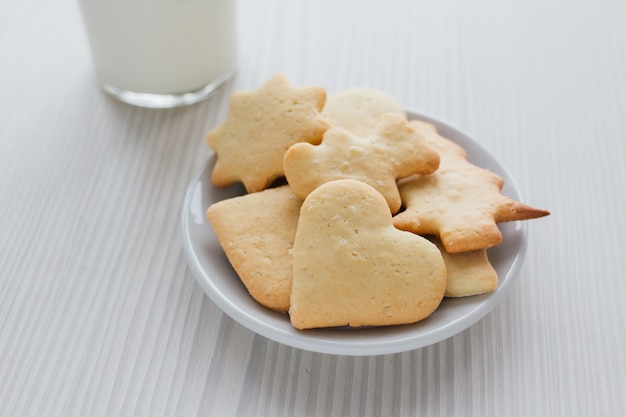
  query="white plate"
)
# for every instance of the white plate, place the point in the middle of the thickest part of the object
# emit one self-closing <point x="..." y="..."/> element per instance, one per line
<point x="220" y="282"/>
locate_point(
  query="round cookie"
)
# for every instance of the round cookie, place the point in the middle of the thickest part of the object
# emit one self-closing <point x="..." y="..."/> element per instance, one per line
<point x="359" y="110"/>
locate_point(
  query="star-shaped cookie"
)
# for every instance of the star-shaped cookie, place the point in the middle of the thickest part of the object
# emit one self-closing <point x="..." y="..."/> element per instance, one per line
<point x="259" y="128"/>
<point x="395" y="150"/>
<point x="460" y="202"/>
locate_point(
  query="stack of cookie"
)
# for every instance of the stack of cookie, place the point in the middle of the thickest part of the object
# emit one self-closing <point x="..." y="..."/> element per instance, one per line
<point x="354" y="215"/>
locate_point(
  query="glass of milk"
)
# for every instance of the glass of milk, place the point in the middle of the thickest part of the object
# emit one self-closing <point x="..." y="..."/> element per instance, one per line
<point x="161" y="53"/>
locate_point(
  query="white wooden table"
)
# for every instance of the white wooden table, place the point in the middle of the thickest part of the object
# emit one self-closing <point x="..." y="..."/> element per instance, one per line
<point x="100" y="315"/>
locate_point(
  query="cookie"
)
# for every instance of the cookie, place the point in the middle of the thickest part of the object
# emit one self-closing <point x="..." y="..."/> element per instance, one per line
<point x="394" y="150"/>
<point x="460" y="202"/>
<point x="256" y="232"/>
<point x="351" y="267"/>
<point x="359" y="110"/>
<point x="468" y="273"/>
<point x="260" y="126"/>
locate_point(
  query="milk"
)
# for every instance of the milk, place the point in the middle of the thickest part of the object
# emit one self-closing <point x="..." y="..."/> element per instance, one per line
<point x="157" y="47"/>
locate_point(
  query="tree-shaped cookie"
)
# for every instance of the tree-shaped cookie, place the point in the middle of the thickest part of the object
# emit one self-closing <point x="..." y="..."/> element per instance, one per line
<point x="460" y="202"/>
<point x="260" y="126"/>
<point x="395" y="150"/>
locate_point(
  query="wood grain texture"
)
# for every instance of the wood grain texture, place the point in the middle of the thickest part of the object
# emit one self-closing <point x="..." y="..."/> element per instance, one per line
<point x="100" y="316"/>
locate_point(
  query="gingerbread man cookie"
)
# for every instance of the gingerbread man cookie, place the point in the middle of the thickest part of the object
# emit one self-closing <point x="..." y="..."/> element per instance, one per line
<point x="395" y="150"/>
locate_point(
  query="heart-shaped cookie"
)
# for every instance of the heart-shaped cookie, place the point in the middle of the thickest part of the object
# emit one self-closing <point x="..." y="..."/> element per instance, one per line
<point x="352" y="267"/>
